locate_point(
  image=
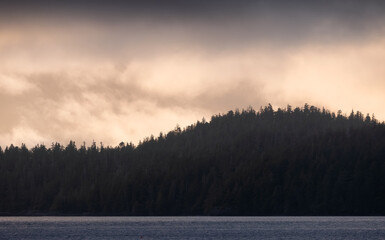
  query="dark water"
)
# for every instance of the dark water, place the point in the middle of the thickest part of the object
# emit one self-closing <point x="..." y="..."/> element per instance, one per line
<point x="192" y="228"/>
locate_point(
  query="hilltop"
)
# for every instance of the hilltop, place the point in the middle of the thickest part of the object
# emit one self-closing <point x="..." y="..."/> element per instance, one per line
<point x="292" y="161"/>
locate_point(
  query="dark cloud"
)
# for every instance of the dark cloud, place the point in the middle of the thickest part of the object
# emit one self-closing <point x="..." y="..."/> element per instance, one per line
<point x="217" y="24"/>
<point x="180" y="9"/>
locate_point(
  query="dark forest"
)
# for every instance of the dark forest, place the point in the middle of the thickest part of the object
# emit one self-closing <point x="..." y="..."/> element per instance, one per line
<point x="292" y="161"/>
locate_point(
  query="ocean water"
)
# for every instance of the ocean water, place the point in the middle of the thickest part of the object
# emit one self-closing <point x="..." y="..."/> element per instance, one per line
<point x="192" y="228"/>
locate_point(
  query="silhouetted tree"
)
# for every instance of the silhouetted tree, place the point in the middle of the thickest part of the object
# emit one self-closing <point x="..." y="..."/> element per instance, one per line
<point x="301" y="161"/>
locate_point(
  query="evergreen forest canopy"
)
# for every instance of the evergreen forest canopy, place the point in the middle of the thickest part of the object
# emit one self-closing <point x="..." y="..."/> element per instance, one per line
<point x="302" y="161"/>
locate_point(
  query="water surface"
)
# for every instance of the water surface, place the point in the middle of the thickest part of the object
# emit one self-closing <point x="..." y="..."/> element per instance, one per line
<point x="192" y="228"/>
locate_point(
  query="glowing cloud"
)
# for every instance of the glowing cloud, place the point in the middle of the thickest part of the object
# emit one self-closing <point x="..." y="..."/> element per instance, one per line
<point x="114" y="78"/>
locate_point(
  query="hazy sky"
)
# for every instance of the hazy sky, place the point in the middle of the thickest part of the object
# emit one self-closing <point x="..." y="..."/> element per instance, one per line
<point x="113" y="71"/>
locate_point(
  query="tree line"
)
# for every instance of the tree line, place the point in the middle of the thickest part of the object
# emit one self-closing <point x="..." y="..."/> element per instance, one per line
<point x="292" y="161"/>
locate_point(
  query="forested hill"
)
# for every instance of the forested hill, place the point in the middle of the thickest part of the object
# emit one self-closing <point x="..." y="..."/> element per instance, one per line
<point x="302" y="161"/>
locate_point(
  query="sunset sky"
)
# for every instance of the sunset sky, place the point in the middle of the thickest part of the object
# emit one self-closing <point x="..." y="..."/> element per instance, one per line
<point x="113" y="71"/>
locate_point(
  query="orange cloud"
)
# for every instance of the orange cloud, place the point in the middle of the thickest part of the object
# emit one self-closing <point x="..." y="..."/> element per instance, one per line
<point x="118" y="83"/>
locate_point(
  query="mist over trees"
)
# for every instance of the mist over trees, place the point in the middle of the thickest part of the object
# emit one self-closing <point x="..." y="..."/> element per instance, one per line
<point x="301" y="161"/>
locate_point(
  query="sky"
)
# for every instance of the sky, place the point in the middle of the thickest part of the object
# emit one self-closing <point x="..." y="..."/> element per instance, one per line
<point x="113" y="71"/>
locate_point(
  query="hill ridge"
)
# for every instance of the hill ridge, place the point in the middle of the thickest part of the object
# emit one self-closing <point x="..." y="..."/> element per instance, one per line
<point x="301" y="161"/>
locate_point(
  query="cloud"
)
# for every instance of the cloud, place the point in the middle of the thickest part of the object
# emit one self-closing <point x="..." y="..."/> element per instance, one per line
<point x="127" y="103"/>
<point x="13" y="84"/>
<point x="112" y="79"/>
